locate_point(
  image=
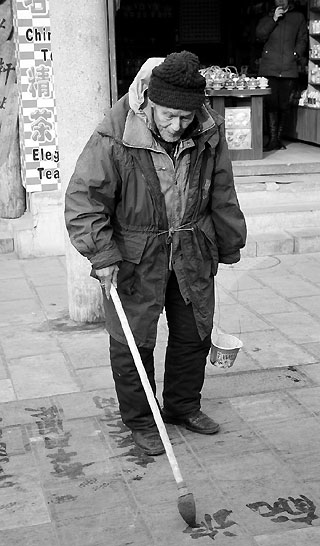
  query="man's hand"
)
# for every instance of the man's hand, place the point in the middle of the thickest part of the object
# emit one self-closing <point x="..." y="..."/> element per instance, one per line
<point x="108" y="275"/>
<point x="279" y="12"/>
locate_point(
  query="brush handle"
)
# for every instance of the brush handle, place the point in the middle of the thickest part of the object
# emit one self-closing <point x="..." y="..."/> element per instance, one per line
<point x="146" y="386"/>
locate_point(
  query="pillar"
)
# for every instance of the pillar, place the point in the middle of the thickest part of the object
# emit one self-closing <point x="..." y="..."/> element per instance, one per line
<point x="81" y="75"/>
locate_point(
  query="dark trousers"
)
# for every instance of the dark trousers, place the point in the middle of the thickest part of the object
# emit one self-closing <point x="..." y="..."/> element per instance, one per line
<point x="184" y="366"/>
<point x="279" y="99"/>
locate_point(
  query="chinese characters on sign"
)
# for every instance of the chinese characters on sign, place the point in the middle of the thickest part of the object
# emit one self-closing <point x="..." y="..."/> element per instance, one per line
<point x="38" y="119"/>
<point x="8" y="87"/>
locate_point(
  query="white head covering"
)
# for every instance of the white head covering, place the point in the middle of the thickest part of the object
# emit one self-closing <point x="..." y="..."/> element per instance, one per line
<point x="141" y="82"/>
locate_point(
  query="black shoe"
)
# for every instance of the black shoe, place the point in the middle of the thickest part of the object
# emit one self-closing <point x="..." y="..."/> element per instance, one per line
<point x="197" y="422"/>
<point x="149" y="441"/>
<point x="273" y="144"/>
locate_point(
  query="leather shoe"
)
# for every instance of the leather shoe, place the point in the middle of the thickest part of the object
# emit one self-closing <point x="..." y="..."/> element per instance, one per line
<point x="197" y="422"/>
<point x="149" y="441"/>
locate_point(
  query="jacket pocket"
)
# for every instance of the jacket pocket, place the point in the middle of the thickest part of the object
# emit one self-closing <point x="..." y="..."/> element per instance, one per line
<point x="208" y="245"/>
<point x="131" y="245"/>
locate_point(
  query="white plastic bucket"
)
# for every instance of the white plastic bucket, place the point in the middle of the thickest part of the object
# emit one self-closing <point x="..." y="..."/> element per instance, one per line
<point x="224" y="349"/>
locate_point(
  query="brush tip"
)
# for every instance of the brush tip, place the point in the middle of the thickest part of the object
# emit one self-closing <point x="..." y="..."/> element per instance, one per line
<point x="187" y="509"/>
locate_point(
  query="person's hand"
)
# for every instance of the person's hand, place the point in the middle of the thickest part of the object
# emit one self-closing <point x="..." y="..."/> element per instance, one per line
<point x="106" y="276"/>
<point x="279" y="12"/>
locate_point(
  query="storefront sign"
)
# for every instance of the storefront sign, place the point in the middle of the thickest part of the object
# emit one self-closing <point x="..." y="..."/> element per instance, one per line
<point x="37" y="108"/>
<point x="238" y="127"/>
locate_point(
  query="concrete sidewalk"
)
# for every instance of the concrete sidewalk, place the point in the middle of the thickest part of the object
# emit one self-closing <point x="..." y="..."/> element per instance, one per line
<point x="69" y="472"/>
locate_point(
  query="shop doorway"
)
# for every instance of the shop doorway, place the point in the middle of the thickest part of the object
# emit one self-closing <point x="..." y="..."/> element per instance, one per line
<point x="220" y="32"/>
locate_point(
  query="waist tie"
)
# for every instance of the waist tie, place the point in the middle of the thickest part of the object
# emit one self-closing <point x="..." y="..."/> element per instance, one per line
<point x="169" y="241"/>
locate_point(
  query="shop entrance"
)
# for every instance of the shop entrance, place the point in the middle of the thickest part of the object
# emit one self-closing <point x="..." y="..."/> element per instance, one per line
<point x="220" y="32"/>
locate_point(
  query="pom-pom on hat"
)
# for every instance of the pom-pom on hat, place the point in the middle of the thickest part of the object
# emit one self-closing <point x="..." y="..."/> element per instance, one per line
<point x="177" y="82"/>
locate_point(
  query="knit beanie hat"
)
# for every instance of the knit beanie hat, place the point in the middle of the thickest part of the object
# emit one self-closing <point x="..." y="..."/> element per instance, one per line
<point x="177" y="82"/>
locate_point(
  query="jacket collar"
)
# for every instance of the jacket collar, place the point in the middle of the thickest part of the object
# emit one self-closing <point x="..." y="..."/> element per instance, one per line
<point x="138" y="134"/>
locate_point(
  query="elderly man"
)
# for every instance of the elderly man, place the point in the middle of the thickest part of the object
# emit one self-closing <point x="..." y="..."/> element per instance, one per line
<point x="152" y="205"/>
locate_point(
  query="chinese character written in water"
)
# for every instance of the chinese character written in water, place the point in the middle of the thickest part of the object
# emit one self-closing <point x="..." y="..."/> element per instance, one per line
<point x="300" y="510"/>
<point x="212" y="525"/>
<point x="2" y="103"/>
<point x="5" y="479"/>
<point x="6" y="68"/>
<point x="38" y="7"/>
<point x="41" y="126"/>
<point x="50" y="426"/>
<point x="2" y="25"/>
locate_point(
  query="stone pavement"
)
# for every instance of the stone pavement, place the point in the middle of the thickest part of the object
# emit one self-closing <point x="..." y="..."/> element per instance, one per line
<point x="69" y="472"/>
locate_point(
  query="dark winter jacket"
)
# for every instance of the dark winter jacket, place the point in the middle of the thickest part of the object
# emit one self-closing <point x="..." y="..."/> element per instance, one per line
<point x="115" y="212"/>
<point x="285" y="42"/>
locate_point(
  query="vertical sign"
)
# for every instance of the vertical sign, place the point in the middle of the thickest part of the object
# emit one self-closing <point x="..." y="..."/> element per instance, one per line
<point x="8" y="91"/>
<point x="37" y="106"/>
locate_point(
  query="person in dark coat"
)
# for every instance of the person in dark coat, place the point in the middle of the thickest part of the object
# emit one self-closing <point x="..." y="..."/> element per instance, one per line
<point x="285" y="37"/>
<point x="152" y="205"/>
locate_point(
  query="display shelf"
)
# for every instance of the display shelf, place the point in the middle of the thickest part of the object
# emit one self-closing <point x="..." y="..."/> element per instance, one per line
<point x="313" y="91"/>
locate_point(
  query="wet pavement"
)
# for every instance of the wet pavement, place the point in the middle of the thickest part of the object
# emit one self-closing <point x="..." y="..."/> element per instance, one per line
<point x="69" y="472"/>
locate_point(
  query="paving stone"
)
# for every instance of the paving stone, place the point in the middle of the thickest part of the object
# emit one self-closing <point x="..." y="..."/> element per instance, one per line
<point x="54" y="299"/>
<point x="14" y="440"/>
<point x="10" y="267"/>
<point x="95" y="378"/>
<point x="86" y="349"/>
<point x="87" y="497"/>
<point x="296" y="436"/>
<point x="309" y="398"/>
<point x="270" y="407"/>
<point x="313" y="348"/>
<point x="298" y="326"/>
<point x="310" y="303"/>
<point x="264" y="301"/>
<point x="236" y="318"/>
<point x="289" y="285"/>
<point x="6" y="391"/>
<point x="26" y="311"/>
<point x="44" y="271"/>
<point x="17" y="412"/>
<point x="14" y="289"/>
<point x="297" y="537"/>
<point x="222" y="296"/>
<point x="41" y="375"/>
<point x="3" y="370"/>
<point x="21" y="496"/>
<point x="68" y="450"/>
<point x="234" y="279"/>
<point x="35" y="535"/>
<point x="260" y="485"/>
<point x="27" y="340"/>
<point x="312" y="371"/>
<point x="85" y="404"/>
<point x="118" y="527"/>
<point x="271" y="349"/>
<point x="308" y="269"/>
<point x="240" y="384"/>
